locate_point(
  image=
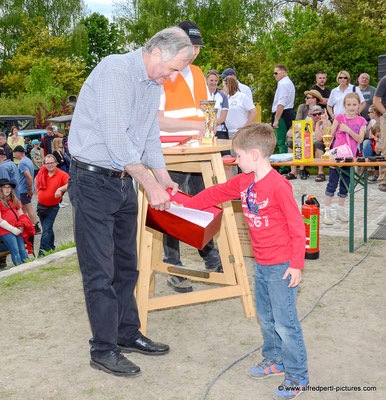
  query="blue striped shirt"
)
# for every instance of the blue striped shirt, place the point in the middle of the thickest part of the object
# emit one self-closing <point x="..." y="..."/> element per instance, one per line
<point x="115" y="122"/>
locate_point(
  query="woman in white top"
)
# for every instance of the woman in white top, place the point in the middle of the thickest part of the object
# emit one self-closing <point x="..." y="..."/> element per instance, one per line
<point x="241" y="111"/>
<point x="337" y="95"/>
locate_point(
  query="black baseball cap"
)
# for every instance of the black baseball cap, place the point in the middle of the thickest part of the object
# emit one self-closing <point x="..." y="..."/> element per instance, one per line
<point x="19" y="149"/>
<point x="227" y="72"/>
<point x="193" y="31"/>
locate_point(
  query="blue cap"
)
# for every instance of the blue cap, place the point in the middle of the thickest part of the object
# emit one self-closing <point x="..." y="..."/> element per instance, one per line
<point x="36" y="141"/>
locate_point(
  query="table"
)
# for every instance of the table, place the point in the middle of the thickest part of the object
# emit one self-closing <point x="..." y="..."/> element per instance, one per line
<point x="355" y="179"/>
<point x="204" y="159"/>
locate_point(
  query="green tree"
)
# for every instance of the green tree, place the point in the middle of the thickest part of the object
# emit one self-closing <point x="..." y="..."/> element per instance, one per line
<point x="103" y="39"/>
<point x="371" y="13"/>
<point x="61" y="17"/>
<point x="229" y="28"/>
<point x="37" y="41"/>
<point x="335" y="43"/>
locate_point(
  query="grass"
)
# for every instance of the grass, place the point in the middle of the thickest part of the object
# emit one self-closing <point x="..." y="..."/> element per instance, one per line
<point x="40" y="276"/>
<point x="62" y="246"/>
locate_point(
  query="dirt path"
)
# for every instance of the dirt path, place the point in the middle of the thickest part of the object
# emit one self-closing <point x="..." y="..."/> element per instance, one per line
<point x="44" y="329"/>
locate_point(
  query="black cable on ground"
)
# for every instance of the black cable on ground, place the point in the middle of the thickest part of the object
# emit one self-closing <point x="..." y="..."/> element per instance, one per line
<point x="229" y="366"/>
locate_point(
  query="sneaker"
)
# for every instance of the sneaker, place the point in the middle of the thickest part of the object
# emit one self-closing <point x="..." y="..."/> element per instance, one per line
<point x="265" y="369"/>
<point x="38" y="231"/>
<point x="62" y="204"/>
<point x="181" y="285"/>
<point x="327" y="219"/>
<point x="290" y="388"/>
<point x="342" y="214"/>
<point x="373" y="179"/>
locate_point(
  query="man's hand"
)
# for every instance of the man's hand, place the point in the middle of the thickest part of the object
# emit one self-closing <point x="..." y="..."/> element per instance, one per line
<point x="275" y="124"/>
<point x="58" y="194"/>
<point x="159" y="198"/>
<point x="30" y="193"/>
<point x="296" y="276"/>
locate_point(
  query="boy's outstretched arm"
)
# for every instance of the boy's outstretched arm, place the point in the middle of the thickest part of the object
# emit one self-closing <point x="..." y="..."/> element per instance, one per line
<point x="216" y="194"/>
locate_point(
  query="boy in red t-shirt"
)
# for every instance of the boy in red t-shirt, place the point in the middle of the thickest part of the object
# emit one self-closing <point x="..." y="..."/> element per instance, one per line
<point x="278" y="241"/>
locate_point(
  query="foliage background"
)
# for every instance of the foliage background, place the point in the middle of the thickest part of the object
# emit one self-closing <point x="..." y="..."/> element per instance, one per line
<point x="48" y="47"/>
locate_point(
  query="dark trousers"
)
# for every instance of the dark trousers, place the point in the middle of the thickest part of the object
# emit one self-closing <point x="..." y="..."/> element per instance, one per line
<point x="47" y="241"/>
<point x="105" y="211"/>
<point x="191" y="184"/>
<point x="333" y="181"/>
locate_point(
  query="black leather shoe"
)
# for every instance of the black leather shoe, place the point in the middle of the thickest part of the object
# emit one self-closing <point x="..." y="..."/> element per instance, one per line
<point x="145" y="346"/>
<point x="115" y="363"/>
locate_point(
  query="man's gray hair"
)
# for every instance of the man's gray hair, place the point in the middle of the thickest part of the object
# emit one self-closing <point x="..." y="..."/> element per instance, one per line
<point x="3" y="135"/>
<point x="170" y="41"/>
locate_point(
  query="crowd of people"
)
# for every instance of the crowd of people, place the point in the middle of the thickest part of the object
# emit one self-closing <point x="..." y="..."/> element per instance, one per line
<point x="355" y="115"/>
<point x="24" y="174"/>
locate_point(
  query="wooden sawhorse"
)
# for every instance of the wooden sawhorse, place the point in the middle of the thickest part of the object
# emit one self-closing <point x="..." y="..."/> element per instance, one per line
<point x="204" y="159"/>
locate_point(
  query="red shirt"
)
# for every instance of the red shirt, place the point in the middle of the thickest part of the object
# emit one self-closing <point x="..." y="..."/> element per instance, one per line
<point x="8" y="215"/>
<point x="46" y="196"/>
<point x="277" y="233"/>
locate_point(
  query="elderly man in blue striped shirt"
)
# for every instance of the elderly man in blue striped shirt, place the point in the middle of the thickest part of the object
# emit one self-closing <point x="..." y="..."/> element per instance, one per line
<point x="114" y="136"/>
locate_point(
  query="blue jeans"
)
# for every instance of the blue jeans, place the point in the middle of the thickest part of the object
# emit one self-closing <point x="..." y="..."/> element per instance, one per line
<point x="16" y="246"/>
<point x="276" y="308"/>
<point x="368" y="149"/>
<point x="191" y="184"/>
<point x="333" y="181"/>
<point x="48" y="237"/>
<point x="105" y="210"/>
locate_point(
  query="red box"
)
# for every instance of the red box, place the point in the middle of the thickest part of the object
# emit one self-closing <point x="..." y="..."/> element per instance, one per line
<point x="181" y="229"/>
<point x="179" y="139"/>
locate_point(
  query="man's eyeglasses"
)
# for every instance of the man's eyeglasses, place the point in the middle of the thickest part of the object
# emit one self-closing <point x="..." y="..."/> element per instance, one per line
<point x="276" y="73"/>
<point x="310" y="97"/>
<point x="343" y="77"/>
<point x="318" y="114"/>
<point x="50" y="163"/>
<point x="254" y="208"/>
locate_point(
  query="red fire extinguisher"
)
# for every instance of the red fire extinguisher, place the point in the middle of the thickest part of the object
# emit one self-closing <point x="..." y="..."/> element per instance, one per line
<point x="311" y="213"/>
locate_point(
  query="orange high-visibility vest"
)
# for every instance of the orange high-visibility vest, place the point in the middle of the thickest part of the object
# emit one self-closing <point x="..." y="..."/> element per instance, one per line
<point x="179" y="100"/>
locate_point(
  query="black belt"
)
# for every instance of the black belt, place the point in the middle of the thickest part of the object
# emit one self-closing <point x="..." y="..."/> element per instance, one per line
<point x="100" y="170"/>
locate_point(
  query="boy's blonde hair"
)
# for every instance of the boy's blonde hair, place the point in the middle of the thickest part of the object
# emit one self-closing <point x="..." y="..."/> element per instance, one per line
<point x="375" y="128"/>
<point x="352" y="96"/>
<point x="256" y="136"/>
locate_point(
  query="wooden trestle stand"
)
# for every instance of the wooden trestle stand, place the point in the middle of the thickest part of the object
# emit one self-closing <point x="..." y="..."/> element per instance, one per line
<point x="204" y="159"/>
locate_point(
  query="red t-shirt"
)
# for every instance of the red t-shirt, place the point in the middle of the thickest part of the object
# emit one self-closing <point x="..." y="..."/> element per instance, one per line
<point x="277" y="233"/>
<point x="46" y="196"/>
<point x="8" y="215"/>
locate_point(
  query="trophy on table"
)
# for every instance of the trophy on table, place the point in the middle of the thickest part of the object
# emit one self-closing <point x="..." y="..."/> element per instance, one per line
<point x="327" y="139"/>
<point x="210" y="121"/>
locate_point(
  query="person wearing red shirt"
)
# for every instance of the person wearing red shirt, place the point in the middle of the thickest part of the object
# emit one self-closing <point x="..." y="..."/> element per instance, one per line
<point x="10" y="210"/>
<point x="51" y="183"/>
<point x="278" y="239"/>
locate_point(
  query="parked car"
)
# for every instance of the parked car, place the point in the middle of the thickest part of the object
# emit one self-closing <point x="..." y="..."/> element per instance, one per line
<point x="21" y="121"/>
<point x="33" y="133"/>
